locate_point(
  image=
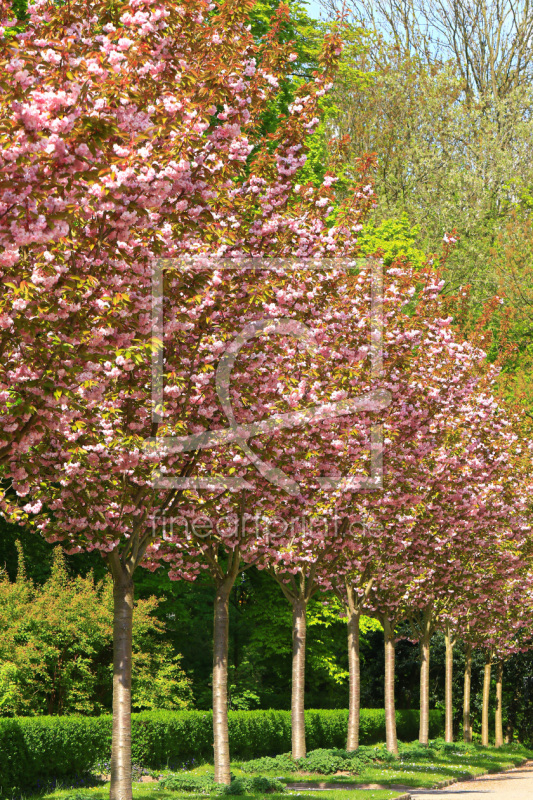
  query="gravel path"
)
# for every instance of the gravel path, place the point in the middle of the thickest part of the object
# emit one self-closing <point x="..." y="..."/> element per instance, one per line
<point x="516" y="784"/>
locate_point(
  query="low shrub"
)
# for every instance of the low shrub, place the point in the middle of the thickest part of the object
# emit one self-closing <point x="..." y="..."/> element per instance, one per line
<point x="262" y="784"/>
<point x="366" y="755"/>
<point x="181" y="782"/>
<point x="205" y="784"/>
<point x="416" y="752"/>
<point x="325" y="761"/>
<point x="236" y="787"/>
<point x="459" y="748"/>
<point x="376" y="753"/>
<point x="258" y="785"/>
<point x="77" y="796"/>
<point x="283" y="763"/>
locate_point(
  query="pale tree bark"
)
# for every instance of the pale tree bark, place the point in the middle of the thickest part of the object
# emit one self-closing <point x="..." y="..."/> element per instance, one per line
<point x="122" y="565"/>
<point x="498" y="738"/>
<point x="298" y="590"/>
<point x="354" y="702"/>
<point x="353" y="611"/>
<point x="122" y="562"/>
<point x="123" y="594"/>
<point x="467" y="722"/>
<point x="486" y="699"/>
<point x="223" y="586"/>
<point x="427" y="628"/>
<point x="299" y="608"/>
<point x="448" y="686"/>
<point x="390" y="708"/>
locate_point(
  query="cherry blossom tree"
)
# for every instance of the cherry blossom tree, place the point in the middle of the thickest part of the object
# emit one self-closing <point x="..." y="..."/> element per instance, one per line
<point x="501" y="627"/>
<point x="457" y="475"/>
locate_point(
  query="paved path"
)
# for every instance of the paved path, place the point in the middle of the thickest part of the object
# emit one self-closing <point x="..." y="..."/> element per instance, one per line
<point x="516" y="784"/>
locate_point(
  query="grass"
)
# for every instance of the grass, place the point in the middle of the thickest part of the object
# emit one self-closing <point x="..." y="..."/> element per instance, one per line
<point x="416" y="767"/>
<point x="419" y="768"/>
<point x="147" y="792"/>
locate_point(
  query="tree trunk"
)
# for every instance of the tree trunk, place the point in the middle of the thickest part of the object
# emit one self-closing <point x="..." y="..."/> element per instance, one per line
<point x="354" y="703"/>
<point x="498" y="738"/>
<point x="424" y="680"/>
<point x="448" y="688"/>
<point x="390" y="710"/>
<point x="123" y="589"/>
<point x="485" y="710"/>
<point x="299" y="608"/>
<point x="467" y="724"/>
<point x="220" y="683"/>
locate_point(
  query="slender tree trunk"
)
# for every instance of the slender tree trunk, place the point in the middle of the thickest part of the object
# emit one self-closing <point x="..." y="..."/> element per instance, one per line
<point x="220" y="683"/>
<point x="390" y="709"/>
<point x="299" y="608"/>
<point x="498" y="738"/>
<point x="486" y="698"/>
<point x="123" y="591"/>
<point x="448" y="687"/>
<point x="354" y="703"/>
<point x="467" y="724"/>
<point x="424" y="679"/>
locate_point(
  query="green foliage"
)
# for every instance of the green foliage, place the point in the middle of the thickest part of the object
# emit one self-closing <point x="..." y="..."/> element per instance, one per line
<point x="244" y="700"/>
<point x="205" y="784"/>
<point x="416" y="753"/>
<point x="329" y="761"/>
<point x="77" y="796"/>
<point x="320" y="155"/>
<point x="366" y="755"/>
<point x="182" y="782"/>
<point x="307" y="36"/>
<point x="283" y="763"/>
<point x="256" y="785"/>
<point x="261" y="784"/>
<point x="325" y="761"/>
<point x="395" y="238"/>
<point x="47" y="749"/>
<point x="260" y="654"/>
<point x="166" y="738"/>
<point x="56" y="648"/>
<point x="20" y="8"/>
<point x="305" y="33"/>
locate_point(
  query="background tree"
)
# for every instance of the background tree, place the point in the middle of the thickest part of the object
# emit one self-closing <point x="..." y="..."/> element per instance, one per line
<point x="56" y="648"/>
<point x="487" y="41"/>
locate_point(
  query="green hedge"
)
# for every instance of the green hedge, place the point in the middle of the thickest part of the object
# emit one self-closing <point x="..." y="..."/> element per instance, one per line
<point x="165" y="737"/>
<point x="44" y="749"/>
<point x="36" y="750"/>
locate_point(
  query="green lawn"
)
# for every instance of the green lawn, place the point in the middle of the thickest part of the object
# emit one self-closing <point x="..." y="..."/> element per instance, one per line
<point x="418" y="768"/>
<point x="415" y="767"/>
<point x="148" y="792"/>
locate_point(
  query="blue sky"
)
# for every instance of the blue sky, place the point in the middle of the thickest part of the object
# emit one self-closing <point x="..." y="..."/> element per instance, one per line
<point x="313" y="8"/>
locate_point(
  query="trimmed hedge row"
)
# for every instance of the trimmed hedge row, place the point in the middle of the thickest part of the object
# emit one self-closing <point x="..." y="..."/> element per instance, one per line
<point x="42" y="749"/>
<point x="35" y="750"/>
